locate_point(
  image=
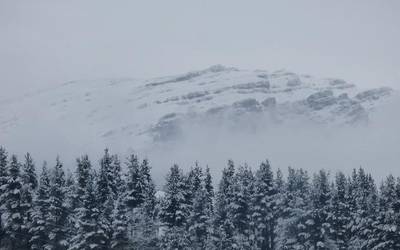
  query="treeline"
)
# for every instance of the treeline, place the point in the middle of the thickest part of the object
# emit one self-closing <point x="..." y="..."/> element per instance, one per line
<point x="116" y="206"/>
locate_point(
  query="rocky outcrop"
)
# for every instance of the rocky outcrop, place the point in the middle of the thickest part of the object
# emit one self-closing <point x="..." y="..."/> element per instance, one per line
<point x="247" y="105"/>
<point x="321" y="100"/>
<point x="373" y="94"/>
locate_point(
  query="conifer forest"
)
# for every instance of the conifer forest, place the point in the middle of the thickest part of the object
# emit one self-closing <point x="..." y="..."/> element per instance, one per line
<point x="113" y="203"/>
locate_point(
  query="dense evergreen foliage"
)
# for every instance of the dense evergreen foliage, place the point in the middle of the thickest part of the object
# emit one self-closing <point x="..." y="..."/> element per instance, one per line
<point x="114" y="205"/>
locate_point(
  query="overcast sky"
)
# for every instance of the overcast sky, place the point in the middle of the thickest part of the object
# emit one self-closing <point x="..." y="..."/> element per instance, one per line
<point x="44" y="43"/>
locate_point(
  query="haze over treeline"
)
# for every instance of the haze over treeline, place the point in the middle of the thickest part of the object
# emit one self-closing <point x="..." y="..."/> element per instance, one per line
<point x="100" y="206"/>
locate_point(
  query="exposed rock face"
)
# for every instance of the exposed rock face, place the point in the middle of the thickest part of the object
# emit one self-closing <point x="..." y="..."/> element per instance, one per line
<point x="373" y="94"/>
<point x="270" y="102"/>
<point x="247" y="105"/>
<point x="321" y="99"/>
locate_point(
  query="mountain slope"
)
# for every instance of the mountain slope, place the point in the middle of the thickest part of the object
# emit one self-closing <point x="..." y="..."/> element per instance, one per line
<point x="149" y="109"/>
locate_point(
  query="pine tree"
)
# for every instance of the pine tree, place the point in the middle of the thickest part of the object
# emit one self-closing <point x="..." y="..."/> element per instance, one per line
<point x="292" y="227"/>
<point x="367" y="208"/>
<point x="200" y="221"/>
<point x="175" y="238"/>
<point x="104" y="181"/>
<point x="208" y="185"/>
<point x="240" y="206"/>
<point x="263" y="207"/>
<point x="58" y="212"/>
<point x="3" y="182"/>
<point x="30" y="183"/>
<point x="386" y="232"/>
<point x="118" y="184"/>
<point x="193" y="183"/>
<point x="135" y="186"/>
<point x="72" y="203"/>
<point x="174" y="211"/>
<point x="40" y="224"/>
<point x="317" y="224"/>
<point x="14" y="209"/>
<point x="145" y="220"/>
<point x="340" y="214"/>
<point x="120" y="239"/>
<point x="90" y="234"/>
<point x="223" y="224"/>
<point x="149" y="189"/>
<point x="83" y="170"/>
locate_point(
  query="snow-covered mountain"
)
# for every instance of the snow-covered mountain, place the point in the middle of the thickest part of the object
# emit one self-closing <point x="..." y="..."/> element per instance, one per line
<point x="145" y="111"/>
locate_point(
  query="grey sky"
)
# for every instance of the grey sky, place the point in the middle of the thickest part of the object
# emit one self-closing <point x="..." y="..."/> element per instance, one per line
<point x="43" y="43"/>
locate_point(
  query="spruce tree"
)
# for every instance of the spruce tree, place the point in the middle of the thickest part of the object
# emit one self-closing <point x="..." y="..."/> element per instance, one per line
<point x="40" y="218"/>
<point x="90" y="234"/>
<point x="223" y="223"/>
<point x="71" y="203"/>
<point x="83" y="170"/>
<point x="193" y="182"/>
<point x="134" y="181"/>
<point x="104" y="181"/>
<point x="149" y="189"/>
<point x="317" y="224"/>
<point x="292" y="230"/>
<point x="200" y="221"/>
<point x="174" y="211"/>
<point x="58" y="212"/>
<point x="240" y="207"/>
<point x="208" y="185"/>
<point x="340" y="213"/>
<point x="30" y="183"/>
<point x="14" y="208"/>
<point x="386" y="232"/>
<point x="263" y="207"/>
<point x="3" y="182"/>
<point x="120" y="239"/>
<point x="118" y="184"/>
<point x="145" y="220"/>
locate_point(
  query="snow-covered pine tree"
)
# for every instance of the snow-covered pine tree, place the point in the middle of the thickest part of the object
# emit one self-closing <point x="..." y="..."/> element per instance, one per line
<point x="14" y="211"/>
<point x="175" y="238"/>
<point x="263" y="208"/>
<point x="120" y="239"/>
<point x="58" y="212"/>
<point x="208" y="185"/>
<point x="193" y="182"/>
<point x="199" y="220"/>
<point x="83" y="170"/>
<point x="71" y="202"/>
<point x="223" y="225"/>
<point x="40" y="224"/>
<point x="240" y="207"/>
<point x="3" y="182"/>
<point x="174" y="210"/>
<point x="145" y="220"/>
<point x="149" y="189"/>
<point x="134" y="183"/>
<point x="386" y="230"/>
<point x="292" y="228"/>
<point x="118" y="184"/>
<point x="29" y="180"/>
<point x="340" y="213"/>
<point x="318" y="226"/>
<point x="104" y="181"/>
<point x="90" y="234"/>
<point x="367" y="209"/>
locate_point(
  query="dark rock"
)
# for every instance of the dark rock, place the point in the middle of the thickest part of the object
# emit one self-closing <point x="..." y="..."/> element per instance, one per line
<point x="269" y="102"/>
<point x="374" y="94"/>
<point x="321" y="99"/>
<point x="248" y="105"/>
